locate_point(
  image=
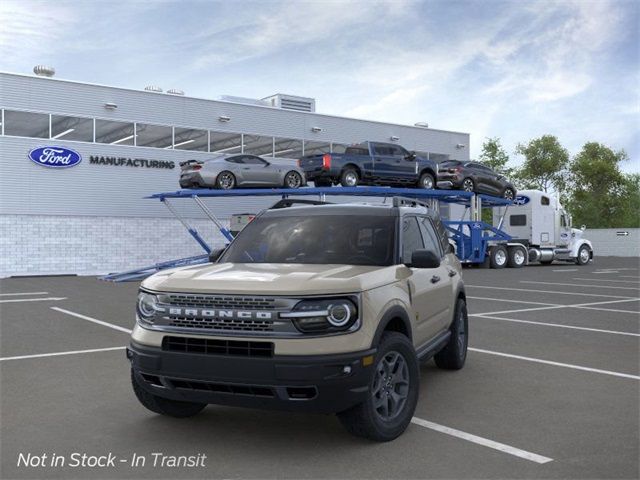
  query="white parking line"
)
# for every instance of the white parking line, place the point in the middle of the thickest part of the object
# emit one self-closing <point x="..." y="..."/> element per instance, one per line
<point x="485" y="442"/>
<point x="556" y="364"/>
<point x="558" y="325"/>
<point x="512" y="301"/>
<point x="57" y="354"/>
<point x="566" y="270"/>
<point x="628" y="276"/>
<point x="605" y="280"/>
<point x="93" y="320"/>
<point x="548" y="291"/>
<point x="588" y="306"/>
<point x="581" y="285"/>
<point x="19" y="300"/>
<point x="23" y="293"/>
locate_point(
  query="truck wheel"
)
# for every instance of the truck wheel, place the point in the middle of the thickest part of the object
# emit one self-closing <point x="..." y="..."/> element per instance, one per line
<point x="426" y="181"/>
<point x="226" y="180"/>
<point x="454" y="354"/>
<point x="164" y="406"/>
<point x="584" y="255"/>
<point x="349" y="178"/>
<point x="517" y="257"/>
<point x="468" y="185"/>
<point x="498" y="256"/>
<point x="392" y="395"/>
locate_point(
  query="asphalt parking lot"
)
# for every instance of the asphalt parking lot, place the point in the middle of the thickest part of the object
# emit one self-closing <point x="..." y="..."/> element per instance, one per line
<point x="550" y="390"/>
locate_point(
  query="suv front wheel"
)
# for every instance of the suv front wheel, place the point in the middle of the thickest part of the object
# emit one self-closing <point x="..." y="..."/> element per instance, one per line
<point x="393" y="392"/>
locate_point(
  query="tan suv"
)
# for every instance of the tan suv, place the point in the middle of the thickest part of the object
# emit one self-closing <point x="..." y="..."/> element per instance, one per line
<point x="312" y="308"/>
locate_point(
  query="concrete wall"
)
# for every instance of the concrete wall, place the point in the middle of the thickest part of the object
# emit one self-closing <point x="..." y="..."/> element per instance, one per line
<point x="611" y="242"/>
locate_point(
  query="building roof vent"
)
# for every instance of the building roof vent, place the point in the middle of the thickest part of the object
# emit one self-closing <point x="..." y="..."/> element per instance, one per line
<point x="175" y="91"/>
<point x="153" y="88"/>
<point x="44" y="71"/>
<point x="292" y="102"/>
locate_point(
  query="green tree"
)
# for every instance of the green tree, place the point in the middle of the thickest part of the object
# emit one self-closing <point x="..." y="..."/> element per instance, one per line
<point x="495" y="157"/>
<point x="545" y="164"/>
<point x="600" y="195"/>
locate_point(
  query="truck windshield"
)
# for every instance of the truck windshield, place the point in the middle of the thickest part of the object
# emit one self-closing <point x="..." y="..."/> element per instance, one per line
<point x="317" y="239"/>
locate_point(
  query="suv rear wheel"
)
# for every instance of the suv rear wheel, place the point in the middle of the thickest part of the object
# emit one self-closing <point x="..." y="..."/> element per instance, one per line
<point x="393" y="392"/>
<point x="454" y="354"/>
<point x="164" y="406"/>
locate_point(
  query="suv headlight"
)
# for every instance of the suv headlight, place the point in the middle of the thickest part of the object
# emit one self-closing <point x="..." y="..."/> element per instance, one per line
<point x="324" y="315"/>
<point x="147" y="307"/>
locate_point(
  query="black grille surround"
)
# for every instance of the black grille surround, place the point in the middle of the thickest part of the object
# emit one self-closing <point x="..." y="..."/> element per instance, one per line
<point x="208" y="346"/>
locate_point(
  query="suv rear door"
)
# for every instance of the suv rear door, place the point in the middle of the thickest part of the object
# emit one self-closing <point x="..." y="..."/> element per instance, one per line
<point x="430" y="287"/>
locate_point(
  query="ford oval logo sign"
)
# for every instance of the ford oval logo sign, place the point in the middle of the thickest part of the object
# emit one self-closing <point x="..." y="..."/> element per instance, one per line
<point x="521" y="200"/>
<point x="55" y="157"/>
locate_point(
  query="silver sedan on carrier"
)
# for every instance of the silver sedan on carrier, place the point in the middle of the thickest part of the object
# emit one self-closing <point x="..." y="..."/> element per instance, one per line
<point x="243" y="170"/>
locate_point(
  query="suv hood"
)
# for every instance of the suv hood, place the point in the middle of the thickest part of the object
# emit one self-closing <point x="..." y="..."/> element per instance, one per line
<point x="272" y="279"/>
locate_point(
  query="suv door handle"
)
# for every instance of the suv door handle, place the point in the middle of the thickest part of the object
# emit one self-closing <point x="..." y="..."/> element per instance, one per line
<point x="452" y="273"/>
<point x="435" y="279"/>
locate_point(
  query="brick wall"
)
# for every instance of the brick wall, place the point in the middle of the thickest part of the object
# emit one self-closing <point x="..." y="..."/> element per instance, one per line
<point x="51" y="245"/>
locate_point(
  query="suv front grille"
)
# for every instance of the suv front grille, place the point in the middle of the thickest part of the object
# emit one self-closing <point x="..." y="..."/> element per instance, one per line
<point x="224" y="324"/>
<point x="217" y="347"/>
<point x="220" y="301"/>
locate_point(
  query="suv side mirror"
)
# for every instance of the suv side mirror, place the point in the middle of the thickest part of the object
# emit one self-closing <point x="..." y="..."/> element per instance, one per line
<point x="424" y="259"/>
<point x="215" y="254"/>
<point x="411" y="156"/>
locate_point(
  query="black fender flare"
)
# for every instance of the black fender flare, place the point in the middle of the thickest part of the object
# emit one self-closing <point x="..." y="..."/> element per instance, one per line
<point x="396" y="311"/>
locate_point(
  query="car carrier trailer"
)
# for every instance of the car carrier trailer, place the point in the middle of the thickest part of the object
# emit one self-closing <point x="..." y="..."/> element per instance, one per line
<point x="476" y="242"/>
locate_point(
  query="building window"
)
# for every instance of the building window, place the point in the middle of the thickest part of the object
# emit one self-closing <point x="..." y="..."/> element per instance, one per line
<point x="71" y="128"/>
<point x="258" y="145"/>
<point x="190" y="139"/>
<point x="26" y="124"/>
<point x="115" y="133"/>
<point x="287" y="148"/>
<point x="316" y="148"/>
<point x="157" y="136"/>
<point x="225" y="143"/>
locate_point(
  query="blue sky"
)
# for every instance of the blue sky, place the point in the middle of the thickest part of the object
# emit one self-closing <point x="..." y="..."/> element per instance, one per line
<point x="511" y="69"/>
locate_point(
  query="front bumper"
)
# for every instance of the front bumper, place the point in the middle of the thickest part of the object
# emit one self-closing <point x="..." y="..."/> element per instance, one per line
<point x="318" y="383"/>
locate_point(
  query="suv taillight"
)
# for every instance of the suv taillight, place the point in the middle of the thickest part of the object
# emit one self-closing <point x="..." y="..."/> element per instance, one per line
<point x="326" y="161"/>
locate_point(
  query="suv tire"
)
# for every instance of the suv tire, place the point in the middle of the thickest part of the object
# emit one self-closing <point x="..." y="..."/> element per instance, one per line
<point x="454" y="354"/>
<point x="164" y="406"/>
<point x="427" y="181"/>
<point x="368" y="420"/>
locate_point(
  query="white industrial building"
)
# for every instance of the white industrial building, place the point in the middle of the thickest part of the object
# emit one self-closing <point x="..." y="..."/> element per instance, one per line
<point x="93" y="218"/>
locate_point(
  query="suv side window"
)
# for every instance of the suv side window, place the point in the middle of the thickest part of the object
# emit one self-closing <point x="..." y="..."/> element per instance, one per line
<point x="411" y="238"/>
<point x="431" y="240"/>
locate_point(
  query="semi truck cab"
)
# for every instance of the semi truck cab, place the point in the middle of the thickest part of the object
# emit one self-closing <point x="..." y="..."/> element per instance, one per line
<point x="538" y="221"/>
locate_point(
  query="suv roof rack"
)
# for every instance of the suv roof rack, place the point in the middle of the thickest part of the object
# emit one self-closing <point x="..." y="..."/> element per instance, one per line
<point x="409" y="202"/>
<point x="290" y="202"/>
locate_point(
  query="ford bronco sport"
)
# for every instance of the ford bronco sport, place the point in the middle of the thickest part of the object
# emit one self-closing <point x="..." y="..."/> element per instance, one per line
<point x="312" y="308"/>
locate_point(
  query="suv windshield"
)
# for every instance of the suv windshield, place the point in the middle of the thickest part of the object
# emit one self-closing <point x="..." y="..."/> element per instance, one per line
<point x="319" y="239"/>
